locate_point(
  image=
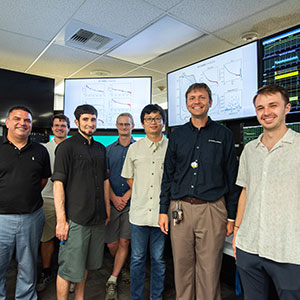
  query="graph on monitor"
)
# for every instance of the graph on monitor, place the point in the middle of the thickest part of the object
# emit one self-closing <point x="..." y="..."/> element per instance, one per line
<point x="232" y="77"/>
<point x="110" y="96"/>
<point x="281" y="63"/>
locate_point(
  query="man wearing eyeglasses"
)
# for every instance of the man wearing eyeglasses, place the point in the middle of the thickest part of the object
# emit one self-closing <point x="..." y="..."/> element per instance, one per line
<point x="117" y="231"/>
<point x="198" y="189"/>
<point x="143" y="169"/>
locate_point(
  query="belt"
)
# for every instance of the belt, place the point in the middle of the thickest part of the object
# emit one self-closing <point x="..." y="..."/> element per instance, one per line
<point x="193" y="200"/>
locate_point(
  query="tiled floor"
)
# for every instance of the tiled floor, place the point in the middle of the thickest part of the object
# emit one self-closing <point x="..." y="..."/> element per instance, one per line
<point x="95" y="286"/>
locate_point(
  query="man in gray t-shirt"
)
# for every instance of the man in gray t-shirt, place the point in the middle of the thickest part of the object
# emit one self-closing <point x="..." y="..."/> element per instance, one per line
<point x="60" y="127"/>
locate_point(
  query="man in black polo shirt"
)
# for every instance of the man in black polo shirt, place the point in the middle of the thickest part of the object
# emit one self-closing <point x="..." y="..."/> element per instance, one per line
<point x="24" y="171"/>
<point x="199" y="178"/>
<point x="81" y="197"/>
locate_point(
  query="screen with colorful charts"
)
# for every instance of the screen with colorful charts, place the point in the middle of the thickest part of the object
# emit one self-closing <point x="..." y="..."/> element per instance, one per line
<point x="281" y="63"/>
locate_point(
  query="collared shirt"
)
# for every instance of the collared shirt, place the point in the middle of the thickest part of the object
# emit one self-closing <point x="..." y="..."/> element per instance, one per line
<point x="81" y="167"/>
<point x="271" y="221"/>
<point x="144" y="164"/>
<point x="21" y="172"/>
<point x="115" y="157"/>
<point x="48" y="189"/>
<point x="201" y="164"/>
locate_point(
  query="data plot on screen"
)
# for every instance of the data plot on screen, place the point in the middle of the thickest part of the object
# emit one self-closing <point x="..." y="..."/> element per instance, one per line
<point x="281" y="63"/>
<point x="232" y="71"/>
<point x="232" y="77"/>
<point x="110" y="96"/>
<point x="93" y="91"/>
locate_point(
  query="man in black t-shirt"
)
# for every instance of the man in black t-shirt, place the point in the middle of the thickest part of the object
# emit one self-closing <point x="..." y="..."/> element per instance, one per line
<point x="81" y="197"/>
<point x="24" y="171"/>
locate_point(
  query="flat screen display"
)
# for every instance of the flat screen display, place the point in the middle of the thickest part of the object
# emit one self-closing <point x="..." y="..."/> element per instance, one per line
<point x="232" y="77"/>
<point x="110" y="96"/>
<point x="281" y="63"/>
<point x="35" y="92"/>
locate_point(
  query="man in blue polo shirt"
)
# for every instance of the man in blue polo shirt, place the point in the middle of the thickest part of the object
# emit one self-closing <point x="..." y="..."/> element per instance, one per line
<point x="117" y="235"/>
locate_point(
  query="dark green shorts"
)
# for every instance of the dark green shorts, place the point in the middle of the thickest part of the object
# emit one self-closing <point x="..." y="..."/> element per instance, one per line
<point x="83" y="250"/>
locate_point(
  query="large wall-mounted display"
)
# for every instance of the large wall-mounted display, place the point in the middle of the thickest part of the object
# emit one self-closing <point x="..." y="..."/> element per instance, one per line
<point x="35" y="92"/>
<point x="110" y="96"/>
<point x="281" y="63"/>
<point x="233" y="78"/>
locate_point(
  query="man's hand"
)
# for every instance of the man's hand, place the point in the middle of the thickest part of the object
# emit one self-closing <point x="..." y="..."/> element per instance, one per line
<point x="163" y="223"/>
<point x="229" y="228"/>
<point x="119" y="202"/>
<point x="107" y="220"/>
<point x="62" y="230"/>
<point x="233" y="241"/>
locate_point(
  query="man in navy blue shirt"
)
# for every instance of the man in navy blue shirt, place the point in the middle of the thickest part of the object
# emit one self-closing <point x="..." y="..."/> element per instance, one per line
<point x="199" y="179"/>
<point x="117" y="234"/>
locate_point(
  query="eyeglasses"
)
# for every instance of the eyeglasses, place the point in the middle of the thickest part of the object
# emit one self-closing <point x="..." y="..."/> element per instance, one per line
<point x="149" y="120"/>
<point x="123" y="124"/>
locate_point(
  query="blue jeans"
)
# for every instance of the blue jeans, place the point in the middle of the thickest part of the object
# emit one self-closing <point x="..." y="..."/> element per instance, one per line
<point x="22" y="232"/>
<point x="140" y="235"/>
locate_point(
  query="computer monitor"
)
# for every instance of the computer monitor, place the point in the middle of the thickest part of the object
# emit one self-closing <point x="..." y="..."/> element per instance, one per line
<point x="233" y="78"/>
<point x="110" y="96"/>
<point x="280" y="62"/>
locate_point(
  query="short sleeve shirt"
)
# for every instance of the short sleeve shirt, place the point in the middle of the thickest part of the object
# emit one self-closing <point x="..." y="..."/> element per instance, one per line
<point x="21" y="172"/>
<point x="48" y="189"/>
<point x="81" y="167"/>
<point x="271" y="221"/>
<point x="144" y="164"/>
<point x="115" y="157"/>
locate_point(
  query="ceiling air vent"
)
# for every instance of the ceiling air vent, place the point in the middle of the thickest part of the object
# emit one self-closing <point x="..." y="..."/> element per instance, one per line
<point x="89" y="40"/>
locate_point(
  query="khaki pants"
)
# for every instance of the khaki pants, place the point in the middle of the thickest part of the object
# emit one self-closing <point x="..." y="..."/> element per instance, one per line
<point x="197" y="245"/>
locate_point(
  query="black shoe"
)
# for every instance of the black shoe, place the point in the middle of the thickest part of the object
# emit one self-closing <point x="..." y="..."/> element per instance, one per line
<point x="43" y="282"/>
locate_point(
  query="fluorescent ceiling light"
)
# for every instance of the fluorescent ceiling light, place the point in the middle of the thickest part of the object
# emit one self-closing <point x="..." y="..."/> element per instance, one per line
<point x="160" y="37"/>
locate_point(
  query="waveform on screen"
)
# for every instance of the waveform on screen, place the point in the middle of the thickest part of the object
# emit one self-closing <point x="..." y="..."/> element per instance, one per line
<point x="210" y="80"/>
<point x="121" y="103"/>
<point x="120" y="90"/>
<point x="289" y="59"/>
<point x="235" y="74"/>
<point x="92" y="89"/>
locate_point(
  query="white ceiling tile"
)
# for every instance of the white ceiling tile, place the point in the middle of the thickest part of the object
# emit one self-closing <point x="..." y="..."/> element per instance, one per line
<point x="166" y="4"/>
<point x="114" y="66"/>
<point x="36" y="18"/>
<point x="214" y="15"/>
<point x="145" y="72"/>
<point x="270" y="21"/>
<point x="118" y="16"/>
<point x="193" y="52"/>
<point x="161" y="37"/>
<point x="16" y="57"/>
<point x="62" y="61"/>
